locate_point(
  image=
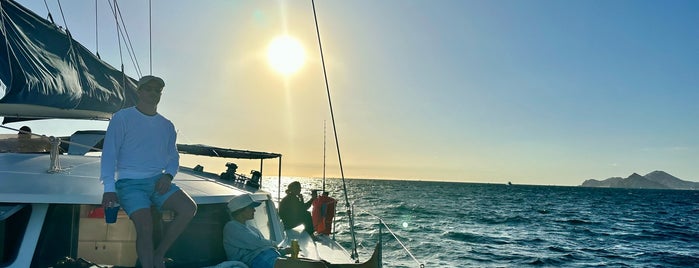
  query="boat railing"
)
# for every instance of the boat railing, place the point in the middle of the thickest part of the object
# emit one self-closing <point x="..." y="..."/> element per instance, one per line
<point x="382" y="225"/>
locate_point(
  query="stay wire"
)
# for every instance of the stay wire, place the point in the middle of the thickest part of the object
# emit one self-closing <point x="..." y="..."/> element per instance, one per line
<point x="116" y="20"/>
<point x="62" y="15"/>
<point x="129" y="45"/>
<point x="150" y="35"/>
<point x="49" y="11"/>
<point x="337" y="143"/>
<point x="97" y="39"/>
<point x="123" y="33"/>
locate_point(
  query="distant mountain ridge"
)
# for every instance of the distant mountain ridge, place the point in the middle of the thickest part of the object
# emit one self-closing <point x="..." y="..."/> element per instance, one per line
<point x="654" y="180"/>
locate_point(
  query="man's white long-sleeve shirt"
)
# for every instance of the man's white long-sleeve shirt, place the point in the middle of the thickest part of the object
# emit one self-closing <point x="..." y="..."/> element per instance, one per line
<point x="138" y="146"/>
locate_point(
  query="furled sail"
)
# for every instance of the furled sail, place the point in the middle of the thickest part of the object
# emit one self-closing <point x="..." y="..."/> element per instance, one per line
<point x="47" y="74"/>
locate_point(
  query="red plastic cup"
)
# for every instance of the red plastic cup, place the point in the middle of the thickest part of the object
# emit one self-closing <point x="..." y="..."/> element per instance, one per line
<point x="110" y="213"/>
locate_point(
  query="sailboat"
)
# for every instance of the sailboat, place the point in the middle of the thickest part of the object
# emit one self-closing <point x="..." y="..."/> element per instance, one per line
<point x="50" y="194"/>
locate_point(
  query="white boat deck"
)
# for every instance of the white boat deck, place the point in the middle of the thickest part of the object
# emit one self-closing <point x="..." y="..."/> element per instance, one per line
<point x="24" y="179"/>
<point x="324" y="248"/>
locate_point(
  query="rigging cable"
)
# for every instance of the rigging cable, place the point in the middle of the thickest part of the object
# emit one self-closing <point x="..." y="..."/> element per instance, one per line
<point x="127" y="40"/>
<point x="124" y="77"/>
<point x="150" y="36"/>
<point x="129" y="45"/>
<point x="63" y="16"/>
<point x="116" y="20"/>
<point x="49" y="11"/>
<point x="337" y="144"/>
<point x="97" y="40"/>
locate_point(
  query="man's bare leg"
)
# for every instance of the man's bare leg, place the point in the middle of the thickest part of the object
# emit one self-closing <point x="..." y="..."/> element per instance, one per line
<point x="184" y="208"/>
<point x="143" y="223"/>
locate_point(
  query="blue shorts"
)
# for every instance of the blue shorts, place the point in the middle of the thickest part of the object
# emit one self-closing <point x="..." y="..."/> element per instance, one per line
<point x="135" y="194"/>
<point x="265" y="259"/>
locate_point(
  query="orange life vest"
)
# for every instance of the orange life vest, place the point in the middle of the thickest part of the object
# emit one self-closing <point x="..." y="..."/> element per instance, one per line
<point x="323" y="213"/>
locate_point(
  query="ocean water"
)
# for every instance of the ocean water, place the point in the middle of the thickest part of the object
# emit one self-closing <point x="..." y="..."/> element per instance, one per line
<point x="491" y="225"/>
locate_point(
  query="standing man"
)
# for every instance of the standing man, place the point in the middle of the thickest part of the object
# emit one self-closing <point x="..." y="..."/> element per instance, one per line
<point x="139" y="161"/>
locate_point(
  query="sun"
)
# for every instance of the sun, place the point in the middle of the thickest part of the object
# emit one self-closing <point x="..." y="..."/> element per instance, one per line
<point x="285" y="54"/>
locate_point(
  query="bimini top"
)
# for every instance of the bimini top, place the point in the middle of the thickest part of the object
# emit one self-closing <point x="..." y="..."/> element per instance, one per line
<point x="206" y="150"/>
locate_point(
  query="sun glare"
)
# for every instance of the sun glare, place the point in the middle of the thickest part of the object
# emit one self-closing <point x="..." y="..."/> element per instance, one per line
<point x="285" y="54"/>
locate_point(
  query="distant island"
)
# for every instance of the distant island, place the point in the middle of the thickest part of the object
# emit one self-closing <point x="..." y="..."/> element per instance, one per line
<point x="654" y="180"/>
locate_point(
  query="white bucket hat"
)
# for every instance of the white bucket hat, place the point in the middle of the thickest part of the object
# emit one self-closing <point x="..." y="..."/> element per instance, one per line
<point x="242" y="201"/>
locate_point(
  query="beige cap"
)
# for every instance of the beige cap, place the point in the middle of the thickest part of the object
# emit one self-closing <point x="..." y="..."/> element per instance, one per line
<point x="150" y="82"/>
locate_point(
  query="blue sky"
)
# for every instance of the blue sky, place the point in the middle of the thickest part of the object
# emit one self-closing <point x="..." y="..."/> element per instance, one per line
<point x="533" y="92"/>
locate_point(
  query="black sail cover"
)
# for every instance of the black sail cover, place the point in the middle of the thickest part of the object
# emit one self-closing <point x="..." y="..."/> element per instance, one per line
<point x="47" y="74"/>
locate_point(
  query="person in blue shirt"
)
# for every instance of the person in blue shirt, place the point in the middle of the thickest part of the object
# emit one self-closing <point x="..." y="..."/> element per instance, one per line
<point x="139" y="161"/>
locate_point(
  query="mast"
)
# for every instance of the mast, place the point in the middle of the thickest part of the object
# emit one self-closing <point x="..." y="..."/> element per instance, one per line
<point x="350" y="215"/>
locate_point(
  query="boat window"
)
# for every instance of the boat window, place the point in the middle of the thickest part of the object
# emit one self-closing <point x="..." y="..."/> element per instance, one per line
<point x="201" y="243"/>
<point x="13" y="223"/>
<point x="86" y="141"/>
<point x="15" y="143"/>
<point x="262" y="220"/>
